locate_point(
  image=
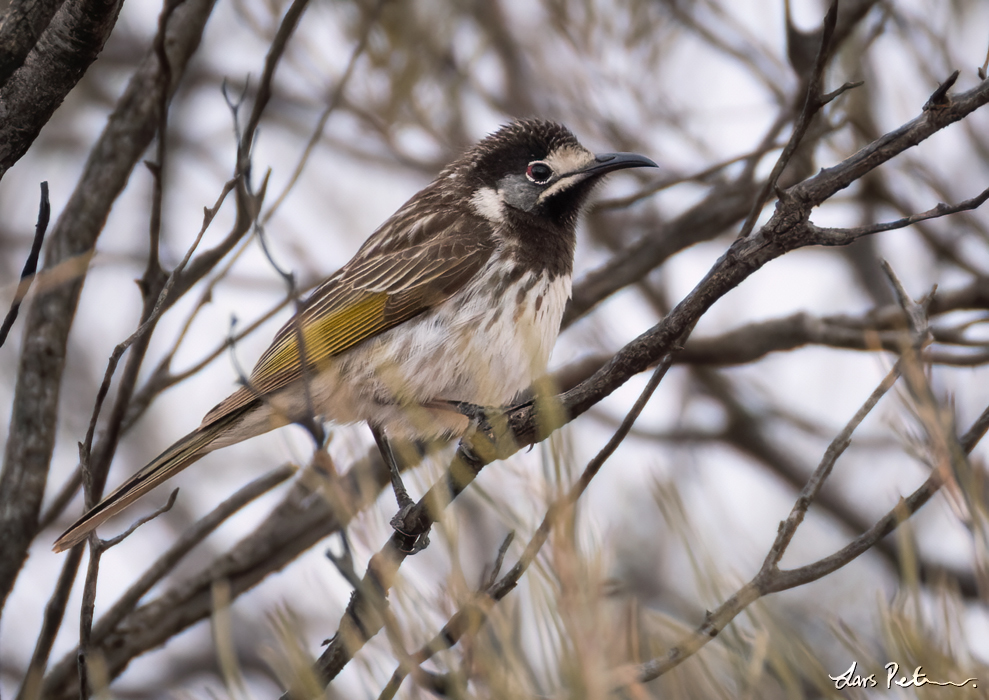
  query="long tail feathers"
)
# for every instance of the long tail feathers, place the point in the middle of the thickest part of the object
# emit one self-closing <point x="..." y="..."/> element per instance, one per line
<point x="166" y="465"/>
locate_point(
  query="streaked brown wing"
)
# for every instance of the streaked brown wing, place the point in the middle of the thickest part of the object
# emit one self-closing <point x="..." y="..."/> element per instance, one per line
<point x="364" y="298"/>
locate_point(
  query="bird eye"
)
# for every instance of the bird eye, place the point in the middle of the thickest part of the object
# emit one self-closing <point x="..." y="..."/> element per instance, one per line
<point x="539" y="172"/>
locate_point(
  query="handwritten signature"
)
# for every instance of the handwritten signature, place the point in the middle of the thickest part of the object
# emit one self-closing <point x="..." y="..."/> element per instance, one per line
<point x="851" y="679"/>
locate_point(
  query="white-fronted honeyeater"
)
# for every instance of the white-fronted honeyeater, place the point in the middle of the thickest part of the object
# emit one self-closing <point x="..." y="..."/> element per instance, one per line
<point x="456" y="299"/>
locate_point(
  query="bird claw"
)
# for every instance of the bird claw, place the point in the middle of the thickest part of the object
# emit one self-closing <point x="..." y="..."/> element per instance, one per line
<point x="474" y="412"/>
<point x="404" y="524"/>
<point x="481" y="416"/>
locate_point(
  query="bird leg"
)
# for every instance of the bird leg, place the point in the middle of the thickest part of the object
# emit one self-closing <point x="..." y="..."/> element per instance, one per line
<point x="487" y="420"/>
<point x="400" y="523"/>
<point x="486" y="417"/>
<point x="387" y="454"/>
<point x="475" y="413"/>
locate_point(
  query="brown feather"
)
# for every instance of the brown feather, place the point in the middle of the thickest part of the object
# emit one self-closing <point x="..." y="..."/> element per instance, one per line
<point x="366" y="297"/>
<point x="166" y="465"/>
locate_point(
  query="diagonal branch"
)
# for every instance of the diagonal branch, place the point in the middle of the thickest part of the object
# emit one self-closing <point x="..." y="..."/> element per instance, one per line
<point x="72" y="40"/>
<point x="21" y="25"/>
<point x="30" y="265"/>
<point x="788" y="229"/>
<point x="844" y="236"/>
<point x="473" y="615"/>
<point x="813" y="102"/>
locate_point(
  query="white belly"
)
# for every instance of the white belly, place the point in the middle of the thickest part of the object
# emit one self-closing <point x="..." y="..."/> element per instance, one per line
<point x="470" y="348"/>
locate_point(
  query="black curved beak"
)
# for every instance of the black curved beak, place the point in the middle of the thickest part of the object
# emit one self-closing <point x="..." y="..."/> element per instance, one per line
<point x="607" y="162"/>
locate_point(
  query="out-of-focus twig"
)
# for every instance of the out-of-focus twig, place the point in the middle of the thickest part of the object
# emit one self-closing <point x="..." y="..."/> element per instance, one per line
<point x="30" y="265"/>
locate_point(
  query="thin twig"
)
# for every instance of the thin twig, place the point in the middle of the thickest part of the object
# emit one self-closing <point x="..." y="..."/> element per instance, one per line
<point x="274" y="56"/>
<point x="788" y="528"/>
<point x="812" y="104"/>
<point x="344" y="562"/>
<point x="166" y="380"/>
<point x="331" y="106"/>
<point x="184" y="544"/>
<point x="30" y="265"/>
<point x="770" y="578"/>
<point x="244" y="164"/>
<point x="844" y="236"/>
<point x="154" y="288"/>
<point x="142" y="397"/>
<point x="161" y="510"/>
<point x="492" y="577"/>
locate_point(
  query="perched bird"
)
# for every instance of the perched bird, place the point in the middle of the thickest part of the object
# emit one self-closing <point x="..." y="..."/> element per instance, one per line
<point x="457" y="298"/>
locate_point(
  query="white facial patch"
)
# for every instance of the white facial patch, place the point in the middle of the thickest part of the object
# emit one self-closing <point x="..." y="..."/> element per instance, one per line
<point x="565" y="161"/>
<point x="488" y="203"/>
<point x="569" y="159"/>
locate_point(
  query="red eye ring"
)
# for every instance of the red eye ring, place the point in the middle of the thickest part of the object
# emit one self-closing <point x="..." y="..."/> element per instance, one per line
<point x="539" y="172"/>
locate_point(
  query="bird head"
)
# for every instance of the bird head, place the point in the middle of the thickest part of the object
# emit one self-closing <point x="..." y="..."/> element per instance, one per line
<point x="535" y="171"/>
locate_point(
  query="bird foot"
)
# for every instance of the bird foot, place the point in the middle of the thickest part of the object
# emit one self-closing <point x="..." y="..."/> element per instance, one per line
<point x="480" y="416"/>
<point x="404" y="523"/>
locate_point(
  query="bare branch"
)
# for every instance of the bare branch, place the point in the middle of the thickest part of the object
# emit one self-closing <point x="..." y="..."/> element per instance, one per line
<point x="813" y="102"/>
<point x="143" y="520"/>
<point x="275" y="52"/>
<point x="296" y="524"/>
<point x="21" y="24"/>
<point x="71" y="42"/>
<point x="189" y="539"/>
<point x="332" y="103"/>
<point x="788" y="528"/>
<point x="30" y="265"/>
<point x="786" y="230"/>
<point x="844" y="236"/>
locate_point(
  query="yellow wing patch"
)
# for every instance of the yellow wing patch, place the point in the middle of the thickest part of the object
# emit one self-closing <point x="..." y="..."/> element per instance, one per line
<point x="364" y="298"/>
<point x="322" y="337"/>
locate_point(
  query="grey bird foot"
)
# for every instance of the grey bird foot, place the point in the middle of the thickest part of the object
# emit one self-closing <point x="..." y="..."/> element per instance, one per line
<point x="479" y="415"/>
<point x="405" y="523"/>
<point x="474" y="412"/>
